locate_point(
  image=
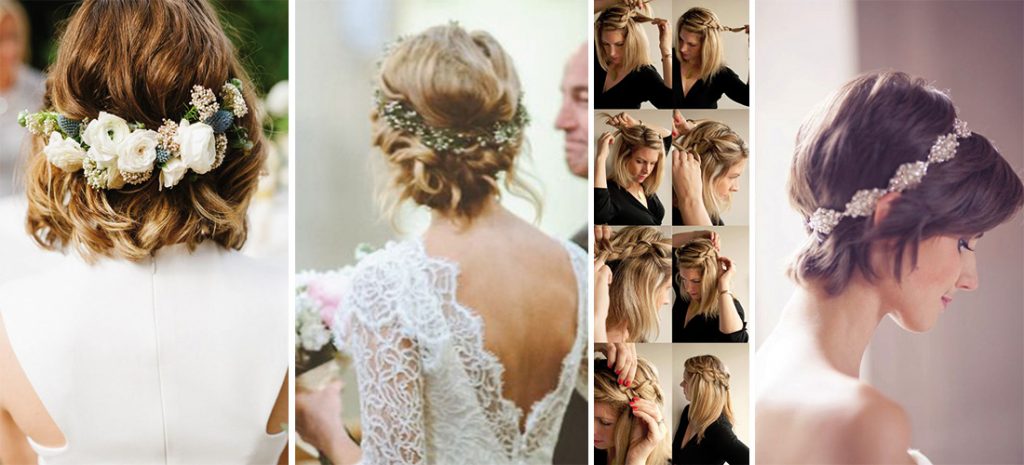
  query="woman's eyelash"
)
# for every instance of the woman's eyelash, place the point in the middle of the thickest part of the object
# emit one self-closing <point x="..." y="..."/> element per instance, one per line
<point x="962" y="244"/>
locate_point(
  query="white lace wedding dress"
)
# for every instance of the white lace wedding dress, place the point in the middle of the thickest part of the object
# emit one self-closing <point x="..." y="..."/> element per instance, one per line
<point x="175" y="360"/>
<point x="429" y="390"/>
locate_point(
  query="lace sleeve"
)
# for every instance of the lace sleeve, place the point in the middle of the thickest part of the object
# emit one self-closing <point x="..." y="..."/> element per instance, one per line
<point x="388" y="365"/>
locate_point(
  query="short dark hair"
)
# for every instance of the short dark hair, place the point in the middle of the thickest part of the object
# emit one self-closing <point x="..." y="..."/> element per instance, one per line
<point x="867" y="129"/>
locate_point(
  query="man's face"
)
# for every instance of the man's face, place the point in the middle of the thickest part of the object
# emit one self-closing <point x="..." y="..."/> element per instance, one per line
<point x="572" y="117"/>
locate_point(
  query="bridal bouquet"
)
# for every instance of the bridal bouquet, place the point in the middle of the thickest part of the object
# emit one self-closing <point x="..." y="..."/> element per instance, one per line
<point x="318" y="294"/>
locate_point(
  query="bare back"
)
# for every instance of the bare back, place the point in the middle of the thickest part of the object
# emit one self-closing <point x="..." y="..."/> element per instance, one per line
<point x="521" y="283"/>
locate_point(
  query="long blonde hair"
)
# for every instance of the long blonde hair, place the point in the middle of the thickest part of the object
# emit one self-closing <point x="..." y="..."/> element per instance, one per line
<point x="707" y="381"/>
<point x="631" y="138"/>
<point x="645" y="386"/>
<point x="705" y="23"/>
<point x="641" y="261"/>
<point x="700" y="254"/>
<point x="719" y="148"/>
<point x="628" y="20"/>
<point x="453" y="79"/>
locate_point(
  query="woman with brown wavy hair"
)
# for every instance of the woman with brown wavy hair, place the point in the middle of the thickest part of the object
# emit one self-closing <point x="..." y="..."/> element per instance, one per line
<point x="155" y="340"/>
<point x="467" y="340"/>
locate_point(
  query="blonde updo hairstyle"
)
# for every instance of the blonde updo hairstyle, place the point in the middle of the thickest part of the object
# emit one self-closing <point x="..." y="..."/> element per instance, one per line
<point x="142" y="70"/>
<point x="630" y="139"/>
<point x="609" y="391"/>
<point x="641" y="261"/>
<point x="453" y="79"/>
<point x="701" y="255"/>
<point x="719" y="149"/>
<point x="707" y="381"/>
<point x="621" y="17"/>
<point x="705" y="23"/>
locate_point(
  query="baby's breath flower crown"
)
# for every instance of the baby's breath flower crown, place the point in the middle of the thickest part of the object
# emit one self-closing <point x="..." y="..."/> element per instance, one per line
<point x="112" y="152"/>
<point x="402" y="117"/>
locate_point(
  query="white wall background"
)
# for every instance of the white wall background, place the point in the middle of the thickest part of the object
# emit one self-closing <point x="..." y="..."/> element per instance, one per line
<point x="659" y="118"/>
<point x="732" y="13"/>
<point x="736" y="358"/>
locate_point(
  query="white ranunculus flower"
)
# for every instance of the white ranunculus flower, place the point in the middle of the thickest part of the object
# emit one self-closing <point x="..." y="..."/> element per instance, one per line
<point x="197" y="144"/>
<point x="103" y="135"/>
<point x="66" y="154"/>
<point x="114" y="179"/>
<point x="172" y="172"/>
<point x="137" y="152"/>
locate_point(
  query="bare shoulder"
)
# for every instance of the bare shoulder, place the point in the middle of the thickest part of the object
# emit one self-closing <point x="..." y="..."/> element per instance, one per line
<point x="877" y="428"/>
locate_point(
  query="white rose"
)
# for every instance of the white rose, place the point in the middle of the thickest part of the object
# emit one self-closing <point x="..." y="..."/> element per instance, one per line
<point x="114" y="179"/>
<point x="172" y="172"/>
<point x="137" y="152"/>
<point x="65" y="154"/>
<point x="104" y="135"/>
<point x="197" y="144"/>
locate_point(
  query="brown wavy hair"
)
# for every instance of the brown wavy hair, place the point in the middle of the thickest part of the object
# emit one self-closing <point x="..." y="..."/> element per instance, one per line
<point x="139" y="60"/>
<point x="857" y="140"/>
<point x="459" y="79"/>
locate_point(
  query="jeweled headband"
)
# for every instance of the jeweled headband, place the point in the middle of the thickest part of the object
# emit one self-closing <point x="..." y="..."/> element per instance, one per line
<point x="112" y="152"/>
<point x="907" y="176"/>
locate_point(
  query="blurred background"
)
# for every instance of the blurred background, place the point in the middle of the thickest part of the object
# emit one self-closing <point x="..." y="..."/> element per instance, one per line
<point x="337" y="48"/>
<point x="961" y="383"/>
<point x="28" y="43"/>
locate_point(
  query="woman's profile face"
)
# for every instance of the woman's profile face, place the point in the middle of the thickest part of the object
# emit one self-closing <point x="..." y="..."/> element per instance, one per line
<point x="642" y="162"/>
<point x="946" y="265"/>
<point x="690" y="44"/>
<point x="690" y="278"/>
<point x="686" y="388"/>
<point x="613" y="44"/>
<point x="605" y="417"/>
<point x="729" y="181"/>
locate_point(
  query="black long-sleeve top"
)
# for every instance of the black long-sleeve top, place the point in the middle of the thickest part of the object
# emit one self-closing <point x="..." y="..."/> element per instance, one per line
<point x="719" y="445"/>
<point x="706" y="94"/>
<point x="616" y="206"/>
<point x="702" y="328"/>
<point x="643" y="85"/>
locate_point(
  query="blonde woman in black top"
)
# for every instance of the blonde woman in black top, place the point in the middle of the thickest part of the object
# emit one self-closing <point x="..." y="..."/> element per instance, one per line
<point x="698" y="70"/>
<point x="623" y="71"/>
<point x="704" y="434"/>
<point x="628" y="195"/>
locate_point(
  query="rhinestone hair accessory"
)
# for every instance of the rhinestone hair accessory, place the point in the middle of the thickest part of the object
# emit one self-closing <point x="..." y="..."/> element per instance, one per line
<point x="907" y="176"/>
<point x="112" y="152"/>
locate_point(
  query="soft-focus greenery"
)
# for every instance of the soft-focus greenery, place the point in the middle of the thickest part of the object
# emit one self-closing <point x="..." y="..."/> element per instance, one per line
<point x="259" y="29"/>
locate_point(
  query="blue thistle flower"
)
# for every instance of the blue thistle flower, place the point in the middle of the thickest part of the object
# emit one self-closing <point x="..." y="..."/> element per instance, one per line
<point x="162" y="155"/>
<point x="221" y="121"/>
<point x="69" y="126"/>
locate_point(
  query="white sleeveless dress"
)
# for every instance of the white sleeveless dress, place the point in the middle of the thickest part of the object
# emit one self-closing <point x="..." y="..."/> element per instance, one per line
<point x="430" y="393"/>
<point x="176" y="360"/>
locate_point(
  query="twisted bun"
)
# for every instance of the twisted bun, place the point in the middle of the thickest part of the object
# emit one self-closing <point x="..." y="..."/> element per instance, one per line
<point x="459" y="80"/>
<point x="700" y="255"/>
<point x="707" y="380"/>
<point x="641" y="261"/>
<point x="719" y="148"/>
<point x="645" y="386"/>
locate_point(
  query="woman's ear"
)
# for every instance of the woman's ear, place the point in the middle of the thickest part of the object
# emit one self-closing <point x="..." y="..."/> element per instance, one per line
<point x="883" y="206"/>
